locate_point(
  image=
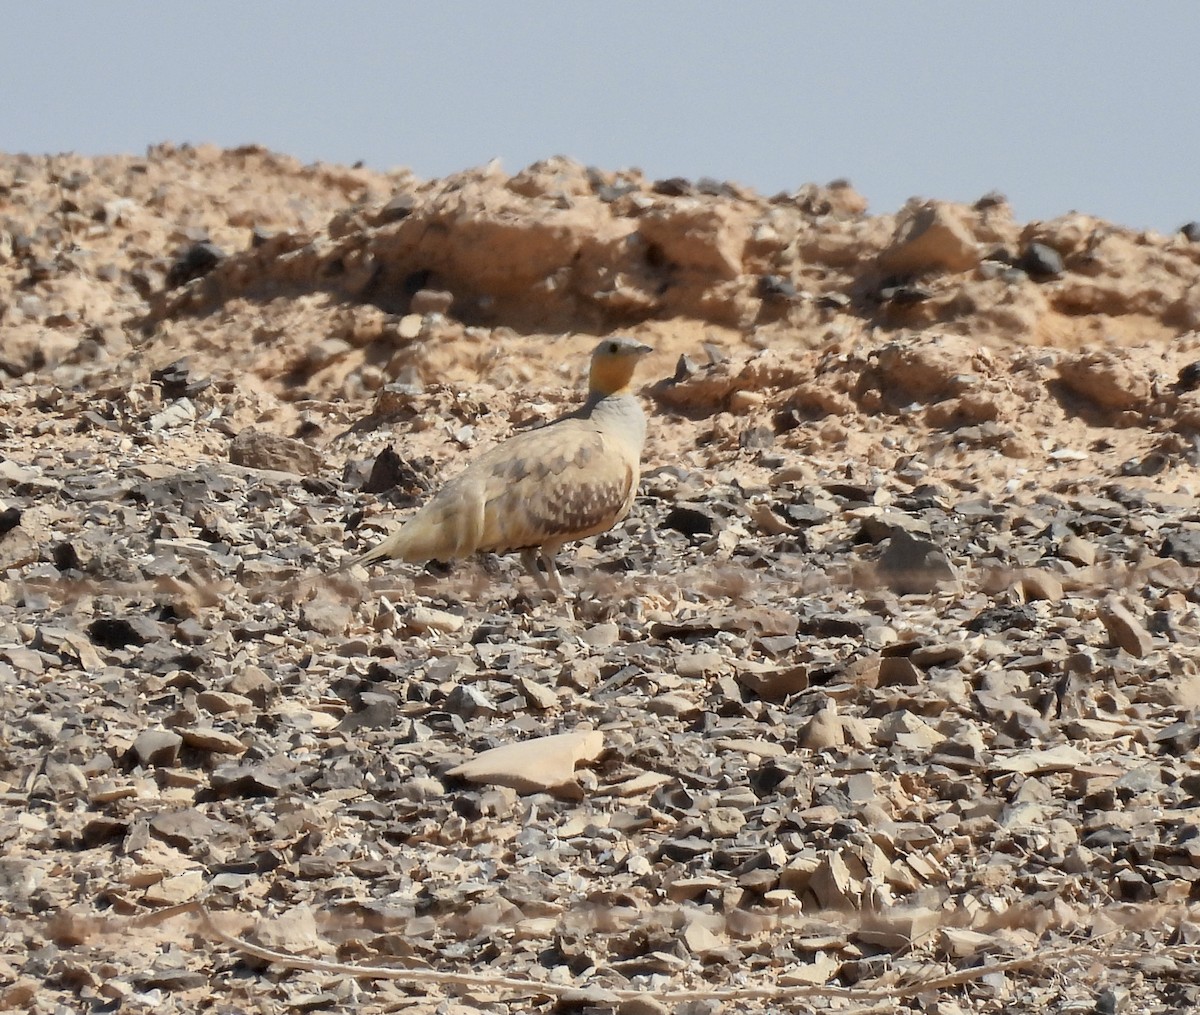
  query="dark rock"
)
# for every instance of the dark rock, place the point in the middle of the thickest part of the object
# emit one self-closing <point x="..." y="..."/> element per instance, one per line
<point x="804" y="515"/>
<point x="399" y="207"/>
<point x="1179" y="739"/>
<point x="377" y="715"/>
<point x="196" y="262"/>
<point x="65" y="558"/>
<point x="114" y="633"/>
<point x="173" y="379"/>
<point x="609" y="192"/>
<point x="1150" y="465"/>
<point x="690" y="521"/>
<point x="1183" y="546"/>
<point x="686" y="848"/>
<point x="911" y="565"/>
<point x="172" y="979"/>
<point x="756" y="438"/>
<point x="1041" y="262"/>
<point x="245" y="780"/>
<point x="1189" y="377"/>
<point x="992" y="199"/>
<point x="776" y="287"/>
<point x="675" y="186"/>
<point x="1004" y="618"/>
<point x="388" y="470"/>
<point x="1190" y="231"/>
<point x="850" y="493"/>
<point x="904" y="295"/>
<point x="877" y="528"/>
<point x="10" y="518"/>
<point x="715" y="188"/>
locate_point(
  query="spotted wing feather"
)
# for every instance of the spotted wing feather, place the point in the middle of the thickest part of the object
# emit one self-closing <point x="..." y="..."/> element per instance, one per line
<point x="558" y="484"/>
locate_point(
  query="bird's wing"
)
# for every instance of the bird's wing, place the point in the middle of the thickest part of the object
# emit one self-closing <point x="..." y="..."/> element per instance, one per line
<point x="549" y="486"/>
<point x="565" y="481"/>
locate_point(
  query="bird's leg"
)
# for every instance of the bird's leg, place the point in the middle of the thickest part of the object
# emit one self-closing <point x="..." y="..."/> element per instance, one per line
<point x="529" y="560"/>
<point x="554" y="584"/>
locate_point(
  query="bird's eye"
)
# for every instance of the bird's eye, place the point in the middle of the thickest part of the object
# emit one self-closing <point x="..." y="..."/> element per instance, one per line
<point x="613" y="348"/>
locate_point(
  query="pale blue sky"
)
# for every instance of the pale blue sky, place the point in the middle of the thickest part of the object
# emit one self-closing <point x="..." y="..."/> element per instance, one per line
<point x="1059" y="105"/>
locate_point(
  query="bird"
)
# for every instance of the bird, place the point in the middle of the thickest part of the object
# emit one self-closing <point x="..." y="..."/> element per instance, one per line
<point x="560" y="482"/>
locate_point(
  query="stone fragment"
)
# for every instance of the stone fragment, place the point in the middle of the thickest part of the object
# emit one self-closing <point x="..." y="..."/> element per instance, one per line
<point x="770" y="683"/>
<point x="898" y="671"/>
<point x="539" y="695"/>
<point x="823" y="731"/>
<point x="423" y="619"/>
<point x="326" y="613"/>
<point x="212" y="741"/>
<point x="431" y="301"/>
<point x="677" y="705"/>
<point x="184" y="828"/>
<point x="157" y="748"/>
<point x="197" y="261"/>
<point x="1124" y="629"/>
<point x="1063" y="758"/>
<point x="175" y="890"/>
<point x="1110" y="379"/>
<point x="1183" y="546"/>
<point x="724" y="822"/>
<point x="1041" y="262"/>
<point x="930" y="237"/>
<point x="258" y="449"/>
<point x="469" y="701"/>
<point x="1038" y="584"/>
<point x="17" y="549"/>
<point x="224" y="703"/>
<point x="294" y="931"/>
<point x="912" y="565"/>
<point x="545" y="764"/>
<point x="251" y="682"/>
<point x="1079" y="551"/>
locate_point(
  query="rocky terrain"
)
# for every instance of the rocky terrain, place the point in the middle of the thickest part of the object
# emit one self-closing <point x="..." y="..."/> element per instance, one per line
<point x="884" y="697"/>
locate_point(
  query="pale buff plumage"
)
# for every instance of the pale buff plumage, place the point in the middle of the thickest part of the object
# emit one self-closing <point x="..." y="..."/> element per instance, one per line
<point x="567" y="480"/>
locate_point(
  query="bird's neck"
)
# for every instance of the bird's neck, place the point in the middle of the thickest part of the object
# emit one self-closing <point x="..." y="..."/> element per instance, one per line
<point x="598" y="394"/>
<point x="608" y="379"/>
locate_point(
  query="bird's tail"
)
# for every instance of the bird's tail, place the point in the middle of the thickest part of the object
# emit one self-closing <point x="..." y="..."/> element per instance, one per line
<point x="392" y="547"/>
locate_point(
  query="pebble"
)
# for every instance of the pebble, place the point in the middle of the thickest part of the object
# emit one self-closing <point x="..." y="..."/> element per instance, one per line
<point x="1041" y="262"/>
<point x="1038" y="584"/>
<point x="1124" y="630"/>
<point x="913" y="565"/>
<point x="156" y="748"/>
<point x="258" y="449"/>
<point x="204" y="738"/>
<point x="823" y="731"/>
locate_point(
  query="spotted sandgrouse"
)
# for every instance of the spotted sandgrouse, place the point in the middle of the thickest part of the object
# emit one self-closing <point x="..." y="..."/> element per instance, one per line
<point x="566" y="480"/>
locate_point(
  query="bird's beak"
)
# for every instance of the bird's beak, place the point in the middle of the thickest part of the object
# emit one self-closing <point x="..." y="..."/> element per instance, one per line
<point x="642" y="350"/>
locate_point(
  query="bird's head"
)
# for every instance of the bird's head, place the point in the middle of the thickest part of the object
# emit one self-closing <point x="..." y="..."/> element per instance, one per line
<point x="613" y="363"/>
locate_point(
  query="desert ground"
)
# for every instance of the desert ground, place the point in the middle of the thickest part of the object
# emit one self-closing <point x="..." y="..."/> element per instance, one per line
<point x="883" y="697"/>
